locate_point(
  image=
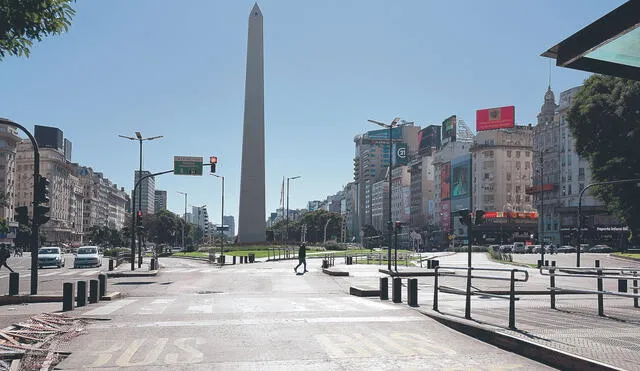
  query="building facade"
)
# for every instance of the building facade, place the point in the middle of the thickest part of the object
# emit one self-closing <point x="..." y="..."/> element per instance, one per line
<point x="230" y="222"/>
<point x="380" y="205"/>
<point x="9" y="140"/>
<point x="400" y="194"/>
<point x="148" y="190"/>
<point x="160" y="200"/>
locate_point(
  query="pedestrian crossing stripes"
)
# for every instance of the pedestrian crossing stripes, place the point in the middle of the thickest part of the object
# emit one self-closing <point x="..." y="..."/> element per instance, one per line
<point x="57" y="272"/>
<point x="213" y="305"/>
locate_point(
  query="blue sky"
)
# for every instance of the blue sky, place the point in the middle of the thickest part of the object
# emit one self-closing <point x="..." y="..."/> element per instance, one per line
<point x="177" y="68"/>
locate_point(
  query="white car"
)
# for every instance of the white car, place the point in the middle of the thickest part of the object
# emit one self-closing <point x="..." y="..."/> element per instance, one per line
<point x="87" y="256"/>
<point x="50" y="256"/>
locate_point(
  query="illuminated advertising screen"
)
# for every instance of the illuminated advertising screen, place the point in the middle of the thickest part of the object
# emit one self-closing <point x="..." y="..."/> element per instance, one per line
<point x="449" y="129"/>
<point x="460" y="179"/>
<point x="381" y="134"/>
<point x="495" y="118"/>
<point x="445" y="215"/>
<point x="445" y="181"/>
<point x="428" y="139"/>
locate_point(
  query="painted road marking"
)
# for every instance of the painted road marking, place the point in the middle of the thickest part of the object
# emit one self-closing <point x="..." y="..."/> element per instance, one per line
<point x="157" y="306"/>
<point x="70" y="273"/>
<point x="346" y="345"/>
<point x="47" y="274"/>
<point x="145" y="352"/>
<point x="109" y="308"/>
<point x="88" y="273"/>
<point x="250" y="322"/>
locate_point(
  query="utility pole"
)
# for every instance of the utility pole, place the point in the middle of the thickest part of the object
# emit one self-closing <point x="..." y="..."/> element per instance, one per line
<point x="184" y="226"/>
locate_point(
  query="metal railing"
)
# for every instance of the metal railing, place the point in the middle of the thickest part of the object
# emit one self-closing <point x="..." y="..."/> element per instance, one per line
<point x="623" y="275"/>
<point x="379" y="257"/>
<point x="280" y="253"/>
<point x="469" y="292"/>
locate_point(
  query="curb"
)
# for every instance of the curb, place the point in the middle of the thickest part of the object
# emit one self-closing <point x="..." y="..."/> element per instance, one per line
<point x="540" y="353"/>
<point x="357" y="291"/>
<point x="335" y="273"/>
<point x="429" y="273"/>
<point x="625" y="258"/>
<point x="111" y="296"/>
<point x="132" y="274"/>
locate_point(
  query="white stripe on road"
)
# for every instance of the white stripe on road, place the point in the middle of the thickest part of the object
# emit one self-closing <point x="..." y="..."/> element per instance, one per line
<point x="48" y="274"/>
<point x="157" y="306"/>
<point x="70" y="273"/>
<point x="109" y="308"/>
<point x="260" y="321"/>
<point x="88" y="273"/>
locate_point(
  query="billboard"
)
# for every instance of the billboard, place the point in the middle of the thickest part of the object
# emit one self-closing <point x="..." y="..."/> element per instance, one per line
<point x="495" y="118"/>
<point x="428" y="138"/>
<point x="445" y="215"/>
<point x="396" y="133"/>
<point x="445" y="181"/>
<point x="449" y="129"/>
<point x="401" y="154"/>
<point x="460" y="179"/>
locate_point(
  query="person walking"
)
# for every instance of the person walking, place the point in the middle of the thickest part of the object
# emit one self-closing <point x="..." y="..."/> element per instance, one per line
<point x="4" y="255"/>
<point x="302" y="258"/>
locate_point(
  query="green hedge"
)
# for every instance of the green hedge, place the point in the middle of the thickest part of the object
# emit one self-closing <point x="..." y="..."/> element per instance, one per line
<point x="114" y="251"/>
<point x="497" y="255"/>
<point x="465" y="249"/>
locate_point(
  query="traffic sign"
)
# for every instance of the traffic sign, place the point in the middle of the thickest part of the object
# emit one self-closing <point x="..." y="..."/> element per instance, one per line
<point x="187" y="165"/>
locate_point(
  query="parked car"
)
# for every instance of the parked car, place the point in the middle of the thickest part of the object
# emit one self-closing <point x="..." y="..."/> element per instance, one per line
<point x="506" y="248"/>
<point x="519" y="248"/>
<point x="494" y="247"/>
<point x="601" y="249"/>
<point x="50" y="256"/>
<point x="87" y="256"/>
<point x="537" y="249"/>
<point x="566" y="249"/>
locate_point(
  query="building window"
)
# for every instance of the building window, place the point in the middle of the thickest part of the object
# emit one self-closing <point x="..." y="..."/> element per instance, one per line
<point x="527" y="165"/>
<point x="518" y="189"/>
<point x="527" y="154"/>
<point x="518" y="198"/>
<point x="569" y="190"/>
<point x="508" y="187"/>
<point x="581" y="173"/>
<point x="508" y="176"/>
<point x="509" y="154"/>
<point x="517" y="154"/>
<point x="486" y="176"/>
<point x="517" y="165"/>
<point x="509" y="198"/>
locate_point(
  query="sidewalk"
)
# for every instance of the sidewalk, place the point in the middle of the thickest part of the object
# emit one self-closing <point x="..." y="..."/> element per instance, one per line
<point x="572" y="336"/>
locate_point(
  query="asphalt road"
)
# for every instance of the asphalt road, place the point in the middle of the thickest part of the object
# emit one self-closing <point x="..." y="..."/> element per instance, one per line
<point x="50" y="279"/>
<point x="194" y="316"/>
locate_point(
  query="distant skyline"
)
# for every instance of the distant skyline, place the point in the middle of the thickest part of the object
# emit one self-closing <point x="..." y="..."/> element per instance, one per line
<point x="177" y="69"/>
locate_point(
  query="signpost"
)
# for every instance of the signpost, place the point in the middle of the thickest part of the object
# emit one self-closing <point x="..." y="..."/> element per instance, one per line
<point x="187" y="165"/>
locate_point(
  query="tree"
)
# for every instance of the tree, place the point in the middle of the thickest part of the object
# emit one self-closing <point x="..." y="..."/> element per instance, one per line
<point x="605" y="122"/>
<point x="22" y="22"/>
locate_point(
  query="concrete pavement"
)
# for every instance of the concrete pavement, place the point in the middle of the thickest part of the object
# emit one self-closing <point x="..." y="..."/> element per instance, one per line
<point x="197" y="316"/>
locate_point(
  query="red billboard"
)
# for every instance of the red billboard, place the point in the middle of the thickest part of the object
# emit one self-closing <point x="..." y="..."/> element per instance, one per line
<point x="495" y="118"/>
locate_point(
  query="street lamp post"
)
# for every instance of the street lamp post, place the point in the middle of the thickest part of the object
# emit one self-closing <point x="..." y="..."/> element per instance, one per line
<point x="184" y="226"/>
<point x="635" y="180"/>
<point x="390" y="126"/>
<point x="221" y="218"/>
<point x="140" y="139"/>
<point x="287" y="212"/>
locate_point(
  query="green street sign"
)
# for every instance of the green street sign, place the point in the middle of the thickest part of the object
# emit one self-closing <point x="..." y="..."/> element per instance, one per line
<point x="187" y="165"/>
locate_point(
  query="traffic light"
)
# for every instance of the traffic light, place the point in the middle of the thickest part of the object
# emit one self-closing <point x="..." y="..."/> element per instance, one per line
<point x="22" y="215"/>
<point x="213" y="160"/>
<point x="43" y="190"/>
<point x="479" y="217"/>
<point x="139" y="226"/>
<point x="464" y="216"/>
<point x="40" y="211"/>
<point x="398" y="226"/>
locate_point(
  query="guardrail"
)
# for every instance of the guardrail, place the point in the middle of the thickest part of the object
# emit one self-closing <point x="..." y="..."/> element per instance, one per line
<point x="623" y="275"/>
<point x="469" y="292"/>
<point x="380" y="257"/>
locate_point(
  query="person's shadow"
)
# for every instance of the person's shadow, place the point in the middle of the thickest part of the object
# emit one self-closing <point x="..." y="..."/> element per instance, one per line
<point x="299" y="273"/>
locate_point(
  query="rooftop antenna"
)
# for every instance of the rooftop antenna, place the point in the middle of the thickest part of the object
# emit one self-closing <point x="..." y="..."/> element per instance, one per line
<point x="549" y="73"/>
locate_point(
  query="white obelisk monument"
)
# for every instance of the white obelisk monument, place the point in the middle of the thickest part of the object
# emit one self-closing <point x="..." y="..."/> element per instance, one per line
<point x="252" y="215"/>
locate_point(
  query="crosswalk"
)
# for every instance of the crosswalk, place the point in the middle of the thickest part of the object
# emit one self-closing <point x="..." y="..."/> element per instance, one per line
<point x="217" y="305"/>
<point x="54" y="273"/>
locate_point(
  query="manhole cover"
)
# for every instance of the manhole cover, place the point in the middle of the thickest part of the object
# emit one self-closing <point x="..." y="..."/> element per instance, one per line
<point x="209" y="292"/>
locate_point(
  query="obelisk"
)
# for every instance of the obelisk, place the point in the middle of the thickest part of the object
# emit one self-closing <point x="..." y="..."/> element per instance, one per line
<point x="252" y="216"/>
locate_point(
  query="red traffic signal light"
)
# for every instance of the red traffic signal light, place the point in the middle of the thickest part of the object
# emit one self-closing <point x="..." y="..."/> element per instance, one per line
<point x="213" y="159"/>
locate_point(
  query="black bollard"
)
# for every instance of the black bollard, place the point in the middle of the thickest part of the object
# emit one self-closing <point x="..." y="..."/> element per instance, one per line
<point x="384" y="288"/>
<point x="622" y="285"/>
<point x="93" y="292"/>
<point x="110" y="264"/>
<point x="14" y="283"/>
<point x="82" y="293"/>
<point x="396" y="288"/>
<point x="234" y="259"/>
<point x="102" y="279"/>
<point x="412" y="292"/>
<point x="435" y="263"/>
<point x="67" y="296"/>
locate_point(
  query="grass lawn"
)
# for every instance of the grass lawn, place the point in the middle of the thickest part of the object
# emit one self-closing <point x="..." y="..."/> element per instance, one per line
<point x="627" y="255"/>
<point x="192" y="254"/>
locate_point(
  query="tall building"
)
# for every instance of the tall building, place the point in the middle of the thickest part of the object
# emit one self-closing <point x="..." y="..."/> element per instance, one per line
<point x="229" y="221"/>
<point x="160" y="200"/>
<point x="252" y="225"/>
<point x="9" y="140"/>
<point x="400" y="194"/>
<point x="559" y="177"/>
<point x="503" y="169"/>
<point x="379" y="205"/>
<point x="422" y="209"/>
<point x="104" y="203"/>
<point x="371" y="163"/>
<point x="64" y="189"/>
<point x="148" y="190"/>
